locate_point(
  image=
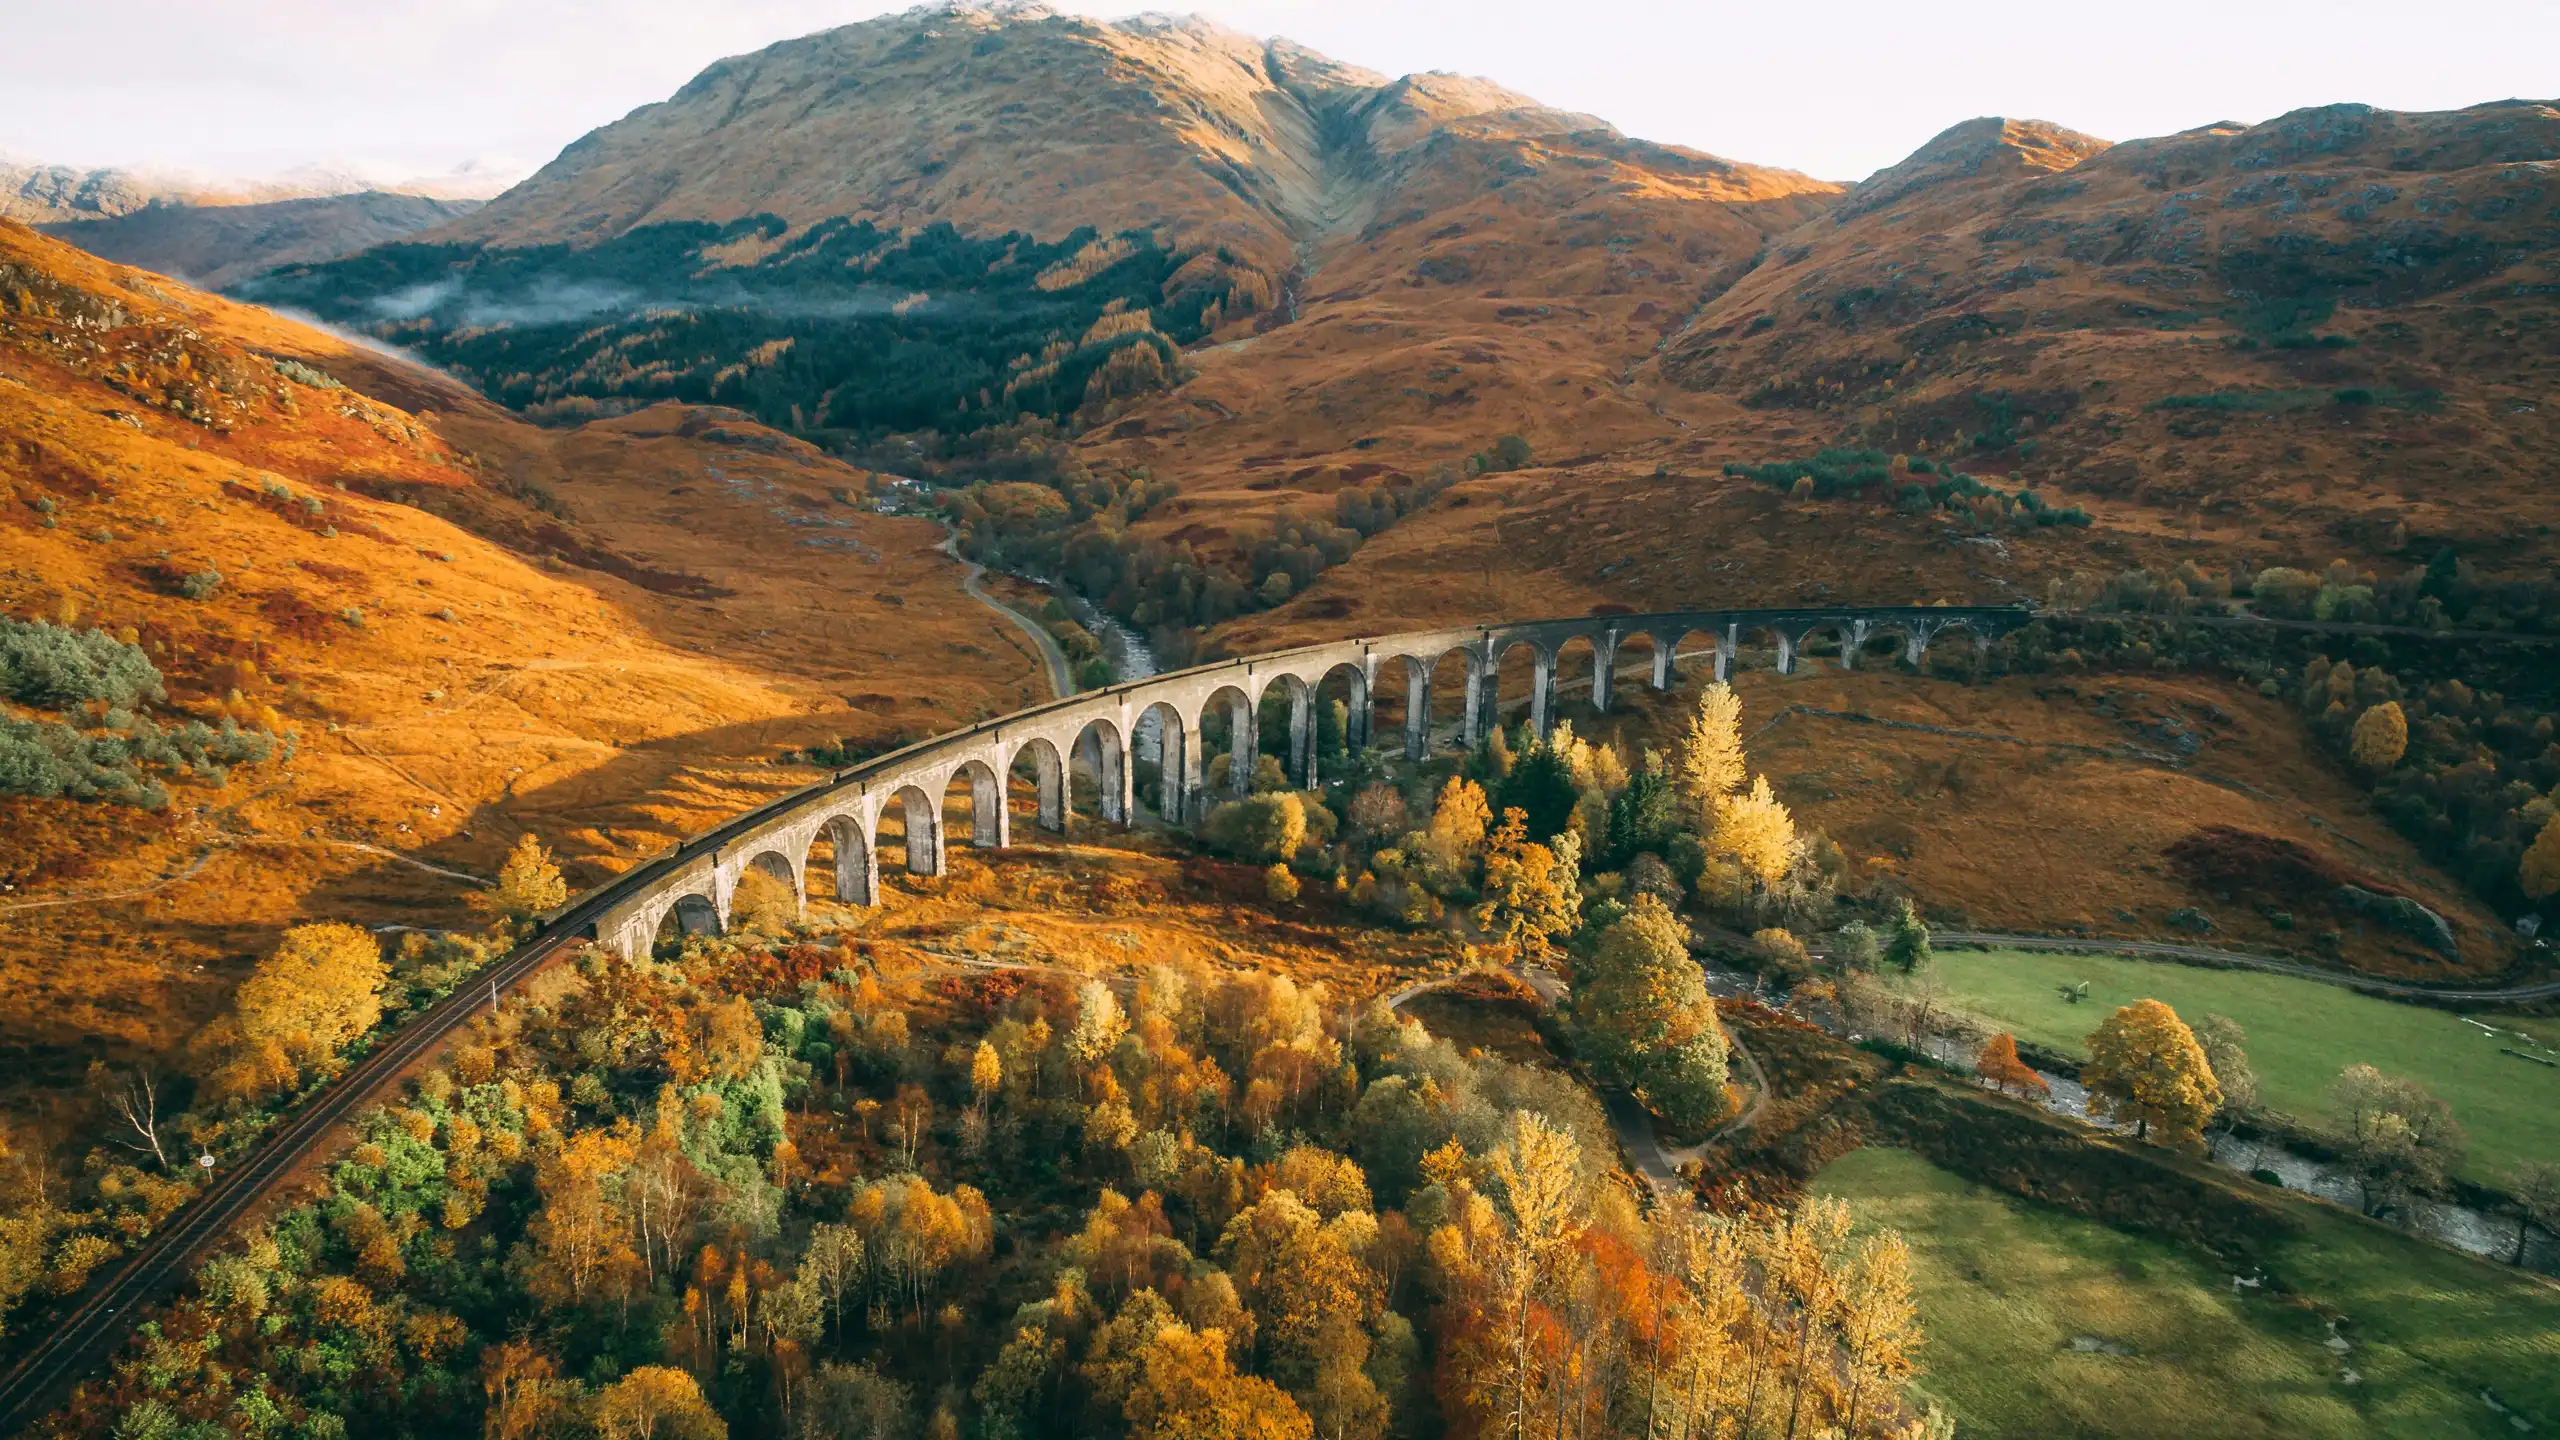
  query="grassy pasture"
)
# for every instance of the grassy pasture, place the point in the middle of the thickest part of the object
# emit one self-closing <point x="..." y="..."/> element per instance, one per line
<point x="2301" y="1034"/>
<point x="2041" y="1323"/>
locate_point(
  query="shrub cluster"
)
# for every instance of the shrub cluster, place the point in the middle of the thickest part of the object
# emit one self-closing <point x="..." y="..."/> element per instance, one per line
<point x="53" y="667"/>
<point x="1852" y="472"/>
<point x="122" y="755"/>
<point x="46" y="760"/>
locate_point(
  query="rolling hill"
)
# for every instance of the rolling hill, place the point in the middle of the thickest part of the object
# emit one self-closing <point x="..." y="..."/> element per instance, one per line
<point x="215" y="245"/>
<point x="454" y="626"/>
<point x="1254" y="347"/>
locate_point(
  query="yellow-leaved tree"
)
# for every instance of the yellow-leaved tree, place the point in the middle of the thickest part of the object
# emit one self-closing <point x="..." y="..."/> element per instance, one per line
<point x="528" y="885"/>
<point x="1755" y="831"/>
<point x="1532" y="893"/>
<point x="657" y="1402"/>
<point x="319" y="990"/>
<point x="2145" y="1066"/>
<point x="1711" y="763"/>
<point x="2380" y="738"/>
<point x="2540" y="871"/>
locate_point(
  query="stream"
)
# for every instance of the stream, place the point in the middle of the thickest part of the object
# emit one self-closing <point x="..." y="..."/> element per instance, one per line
<point x="2473" y="1231"/>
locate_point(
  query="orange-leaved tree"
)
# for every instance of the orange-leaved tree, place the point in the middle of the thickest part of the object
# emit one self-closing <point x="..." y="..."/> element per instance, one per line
<point x="1999" y="1066"/>
<point x="2145" y="1066"/>
<point x="1711" y="760"/>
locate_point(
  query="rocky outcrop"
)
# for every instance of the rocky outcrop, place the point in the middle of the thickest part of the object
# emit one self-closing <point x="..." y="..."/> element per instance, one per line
<point x="2399" y="912"/>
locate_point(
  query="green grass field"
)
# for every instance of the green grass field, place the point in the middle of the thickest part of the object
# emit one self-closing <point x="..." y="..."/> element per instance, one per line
<point x="2301" y="1034"/>
<point x="2006" y="1287"/>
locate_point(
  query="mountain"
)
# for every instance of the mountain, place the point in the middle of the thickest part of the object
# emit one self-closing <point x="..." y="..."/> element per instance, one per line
<point x="215" y="245"/>
<point x="997" y="118"/>
<point x="34" y="194"/>
<point x="1280" y="302"/>
<point x="2321" y="338"/>
<point x="2326" y="331"/>
<point x="392" y="626"/>
<point x="958" y="216"/>
<point x="216" y="230"/>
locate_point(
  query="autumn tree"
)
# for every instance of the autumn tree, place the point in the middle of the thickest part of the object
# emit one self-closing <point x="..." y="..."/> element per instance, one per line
<point x="2399" y="1136"/>
<point x="527" y="1398"/>
<point x="1449" y="846"/>
<point x="318" y="991"/>
<point x="986" y="1075"/>
<point x="1536" y="1173"/>
<point x="1755" y="833"/>
<point x="2145" y="1066"/>
<point x="1314" y="1299"/>
<point x="1999" y="1066"/>
<point x="1267" y="827"/>
<point x="529" y="885"/>
<point x="578" y="1246"/>
<point x="1644" y="1017"/>
<point x="656" y="1402"/>
<point x="2380" y="738"/>
<point x="2539" y="872"/>
<point x="1711" y="760"/>
<point x="763" y="903"/>
<point x="1532" y="893"/>
<point x="1879" y="1327"/>
<point x="1376" y="812"/>
<point x="1187" y="1388"/>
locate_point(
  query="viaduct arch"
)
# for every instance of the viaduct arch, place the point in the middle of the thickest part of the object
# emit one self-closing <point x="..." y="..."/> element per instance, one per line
<point x="698" y="882"/>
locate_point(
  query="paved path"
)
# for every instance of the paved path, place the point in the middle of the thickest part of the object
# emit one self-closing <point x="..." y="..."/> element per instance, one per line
<point x="1062" y="682"/>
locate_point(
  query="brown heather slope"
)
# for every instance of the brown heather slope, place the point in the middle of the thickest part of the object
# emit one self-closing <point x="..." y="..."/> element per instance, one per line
<point x="2015" y="298"/>
<point x="2276" y="267"/>
<point x="460" y="665"/>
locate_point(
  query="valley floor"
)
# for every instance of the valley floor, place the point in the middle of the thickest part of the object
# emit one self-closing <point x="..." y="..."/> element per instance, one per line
<point x="2041" y="1323"/>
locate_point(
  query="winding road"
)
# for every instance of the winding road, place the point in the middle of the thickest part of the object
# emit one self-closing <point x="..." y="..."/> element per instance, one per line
<point x="2206" y="954"/>
<point x="1062" y="681"/>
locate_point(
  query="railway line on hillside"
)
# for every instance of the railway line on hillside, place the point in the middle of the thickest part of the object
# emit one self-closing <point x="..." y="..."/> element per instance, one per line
<point x="703" y="869"/>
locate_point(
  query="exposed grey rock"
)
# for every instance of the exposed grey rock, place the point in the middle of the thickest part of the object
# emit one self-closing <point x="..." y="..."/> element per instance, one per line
<point x="2404" y="915"/>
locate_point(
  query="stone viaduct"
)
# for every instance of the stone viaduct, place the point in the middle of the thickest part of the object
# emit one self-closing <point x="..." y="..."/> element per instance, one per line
<point x="696" y="883"/>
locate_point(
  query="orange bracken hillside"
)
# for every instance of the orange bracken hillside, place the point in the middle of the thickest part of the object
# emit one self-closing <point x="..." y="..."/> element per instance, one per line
<point x="2321" y="336"/>
<point x="474" y="628"/>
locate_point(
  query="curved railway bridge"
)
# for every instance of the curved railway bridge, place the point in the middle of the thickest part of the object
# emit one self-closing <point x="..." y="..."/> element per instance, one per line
<point x="1099" y="730"/>
<point x="694" y="883"/>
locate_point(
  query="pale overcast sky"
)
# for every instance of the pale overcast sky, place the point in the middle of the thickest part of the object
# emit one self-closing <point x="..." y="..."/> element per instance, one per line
<point x="1838" y="89"/>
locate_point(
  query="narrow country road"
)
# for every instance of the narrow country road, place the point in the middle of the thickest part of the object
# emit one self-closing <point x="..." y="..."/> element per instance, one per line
<point x="1062" y="682"/>
<point x="2205" y="954"/>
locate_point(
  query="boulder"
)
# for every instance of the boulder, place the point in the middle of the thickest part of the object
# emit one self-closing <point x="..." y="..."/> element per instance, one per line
<point x="2405" y="915"/>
